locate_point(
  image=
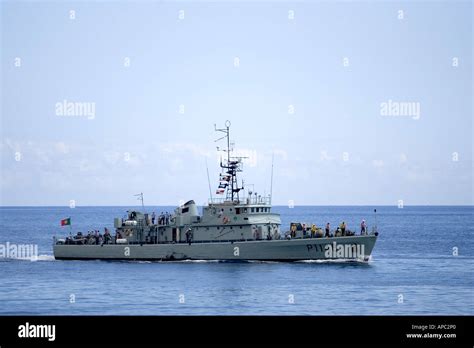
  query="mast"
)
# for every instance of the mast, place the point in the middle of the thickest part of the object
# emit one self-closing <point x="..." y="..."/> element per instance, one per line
<point x="231" y="167"/>
<point x="227" y="125"/>
<point x="140" y="198"/>
<point x="271" y="180"/>
<point x="209" y="181"/>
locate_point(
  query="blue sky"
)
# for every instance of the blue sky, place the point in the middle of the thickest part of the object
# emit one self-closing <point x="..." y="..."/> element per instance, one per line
<point x="307" y="88"/>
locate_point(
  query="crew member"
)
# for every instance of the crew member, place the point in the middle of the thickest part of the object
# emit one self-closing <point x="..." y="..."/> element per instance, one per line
<point x="363" y="228"/>
<point x="343" y="228"/>
<point x="313" y="230"/>
<point x="189" y="236"/>
<point x="293" y="230"/>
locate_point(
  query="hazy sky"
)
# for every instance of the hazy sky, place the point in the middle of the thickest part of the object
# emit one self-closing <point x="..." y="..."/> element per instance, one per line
<point x="309" y="82"/>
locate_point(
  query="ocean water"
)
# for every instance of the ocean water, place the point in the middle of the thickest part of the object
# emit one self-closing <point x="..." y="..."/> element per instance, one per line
<point x="422" y="264"/>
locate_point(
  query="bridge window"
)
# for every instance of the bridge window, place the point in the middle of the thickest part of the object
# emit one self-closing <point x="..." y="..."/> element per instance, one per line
<point x="253" y="210"/>
<point x="237" y="210"/>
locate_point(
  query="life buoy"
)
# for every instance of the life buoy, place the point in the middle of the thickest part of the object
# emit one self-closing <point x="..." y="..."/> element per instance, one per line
<point x="225" y="219"/>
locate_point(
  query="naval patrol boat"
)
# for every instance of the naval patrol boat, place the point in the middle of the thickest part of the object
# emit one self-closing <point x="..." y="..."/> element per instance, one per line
<point x="238" y="227"/>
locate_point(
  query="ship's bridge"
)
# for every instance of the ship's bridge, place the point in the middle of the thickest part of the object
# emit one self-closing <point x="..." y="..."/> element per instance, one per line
<point x="250" y="210"/>
<point x="249" y="200"/>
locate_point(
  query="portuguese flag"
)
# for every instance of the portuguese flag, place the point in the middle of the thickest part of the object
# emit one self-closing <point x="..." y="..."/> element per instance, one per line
<point x="65" y="222"/>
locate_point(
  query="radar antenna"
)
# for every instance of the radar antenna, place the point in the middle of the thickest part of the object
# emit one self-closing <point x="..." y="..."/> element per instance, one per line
<point x="228" y="179"/>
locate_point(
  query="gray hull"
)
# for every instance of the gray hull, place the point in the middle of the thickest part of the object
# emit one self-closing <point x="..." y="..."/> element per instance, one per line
<point x="356" y="247"/>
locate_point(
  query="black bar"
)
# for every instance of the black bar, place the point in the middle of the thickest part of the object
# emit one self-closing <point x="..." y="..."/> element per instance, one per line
<point x="242" y="330"/>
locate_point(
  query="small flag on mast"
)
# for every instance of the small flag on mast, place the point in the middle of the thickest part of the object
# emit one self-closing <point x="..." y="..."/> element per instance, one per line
<point x="65" y="222"/>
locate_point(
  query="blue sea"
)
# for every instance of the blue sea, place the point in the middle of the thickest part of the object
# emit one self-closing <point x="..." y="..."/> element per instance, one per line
<point x="422" y="264"/>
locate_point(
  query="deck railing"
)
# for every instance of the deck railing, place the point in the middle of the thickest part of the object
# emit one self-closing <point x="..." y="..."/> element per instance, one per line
<point x="247" y="200"/>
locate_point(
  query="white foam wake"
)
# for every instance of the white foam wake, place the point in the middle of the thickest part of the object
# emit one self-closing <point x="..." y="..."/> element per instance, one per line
<point x="31" y="259"/>
<point x="45" y="257"/>
<point x="336" y="261"/>
<point x="196" y="261"/>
